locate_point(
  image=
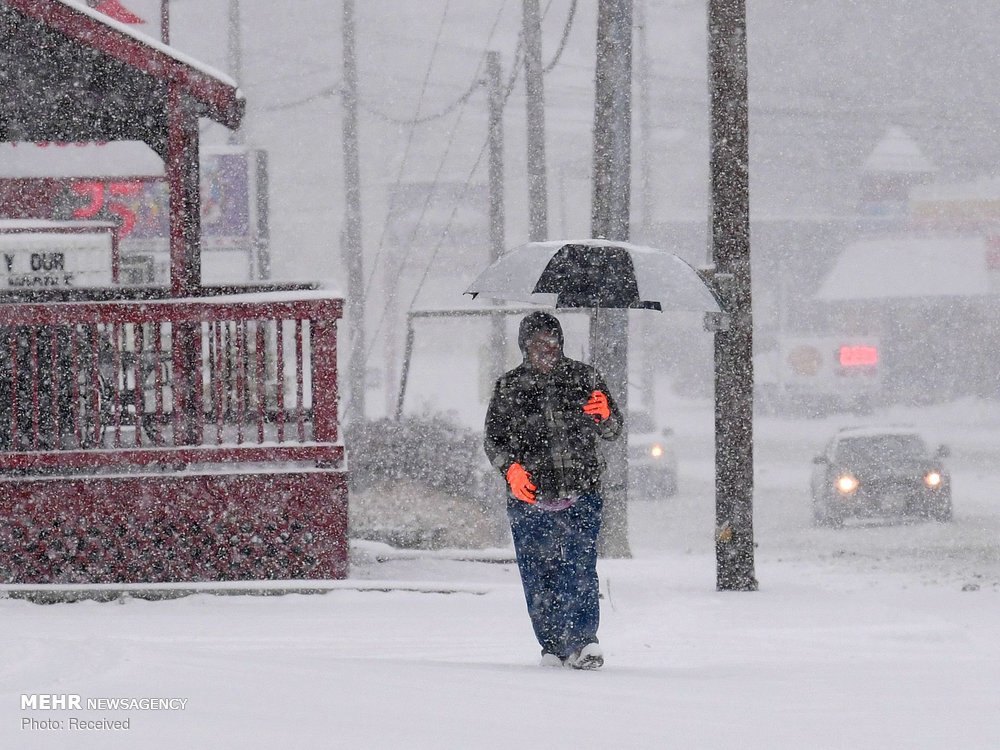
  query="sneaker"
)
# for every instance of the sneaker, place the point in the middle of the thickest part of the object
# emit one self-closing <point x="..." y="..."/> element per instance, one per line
<point x="550" y="660"/>
<point x="588" y="657"/>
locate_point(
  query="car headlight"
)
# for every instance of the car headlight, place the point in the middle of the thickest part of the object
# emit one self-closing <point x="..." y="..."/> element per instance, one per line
<point x="846" y="484"/>
<point x="932" y="479"/>
<point x="656" y="450"/>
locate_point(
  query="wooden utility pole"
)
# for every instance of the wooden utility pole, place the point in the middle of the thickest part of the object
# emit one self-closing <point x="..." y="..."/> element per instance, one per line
<point x="498" y="325"/>
<point x="610" y="219"/>
<point x="645" y="133"/>
<point x="730" y="219"/>
<point x="647" y="323"/>
<point x="234" y="51"/>
<point x="165" y="21"/>
<point x="538" y="210"/>
<point x="351" y="232"/>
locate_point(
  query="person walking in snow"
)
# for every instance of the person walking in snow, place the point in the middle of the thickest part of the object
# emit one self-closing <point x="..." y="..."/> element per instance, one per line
<point x="542" y="430"/>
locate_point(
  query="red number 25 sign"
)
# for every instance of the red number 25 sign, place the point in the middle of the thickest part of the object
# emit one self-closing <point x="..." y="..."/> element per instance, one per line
<point x="105" y="197"/>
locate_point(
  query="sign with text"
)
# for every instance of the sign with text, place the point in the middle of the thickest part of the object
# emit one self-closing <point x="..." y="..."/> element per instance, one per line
<point x="46" y="260"/>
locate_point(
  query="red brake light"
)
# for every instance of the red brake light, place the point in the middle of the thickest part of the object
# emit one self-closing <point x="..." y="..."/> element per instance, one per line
<point x="858" y="356"/>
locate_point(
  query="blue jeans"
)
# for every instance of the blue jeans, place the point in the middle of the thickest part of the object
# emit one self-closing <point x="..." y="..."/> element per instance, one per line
<point x="557" y="559"/>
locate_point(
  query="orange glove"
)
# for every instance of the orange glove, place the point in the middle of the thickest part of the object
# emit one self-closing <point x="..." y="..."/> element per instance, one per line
<point x="520" y="483"/>
<point x="597" y="406"/>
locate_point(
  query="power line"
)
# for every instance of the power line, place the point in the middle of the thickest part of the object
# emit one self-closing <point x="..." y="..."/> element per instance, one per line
<point x="412" y="123"/>
<point x="406" y="152"/>
<point x="565" y="36"/>
<point x="451" y="217"/>
<point x="476" y="83"/>
<point x="468" y="181"/>
<point x="445" y="231"/>
<point x="334" y="89"/>
<point x="430" y="193"/>
<point x="323" y="93"/>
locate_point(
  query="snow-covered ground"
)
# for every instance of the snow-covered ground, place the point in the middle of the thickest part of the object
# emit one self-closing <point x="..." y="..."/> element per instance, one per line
<point x="872" y="636"/>
<point x="815" y="659"/>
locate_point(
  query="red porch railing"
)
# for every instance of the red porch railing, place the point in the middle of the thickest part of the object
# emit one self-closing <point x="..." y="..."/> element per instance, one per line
<point x="95" y="385"/>
<point x="178" y="415"/>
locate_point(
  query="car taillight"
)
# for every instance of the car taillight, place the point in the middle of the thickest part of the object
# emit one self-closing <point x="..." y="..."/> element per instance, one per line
<point x="932" y="479"/>
<point x="846" y="484"/>
<point x="858" y="356"/>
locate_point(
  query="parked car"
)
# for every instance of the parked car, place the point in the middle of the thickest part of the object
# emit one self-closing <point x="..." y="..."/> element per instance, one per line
<point x="880" y="471"/>
<point x="652" y="464"/>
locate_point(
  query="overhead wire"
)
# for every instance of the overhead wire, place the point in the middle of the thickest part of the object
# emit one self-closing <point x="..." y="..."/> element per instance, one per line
<point x="509" y="88"/>
<point x="445" y="232"/>
<point x="413" y="122"/>
<point x="430" y="194"/>
<point x="406" y="152"/>
<point x="323" y="93"/>
<point x="565" y="36"/>
<point x="473" y="87"/>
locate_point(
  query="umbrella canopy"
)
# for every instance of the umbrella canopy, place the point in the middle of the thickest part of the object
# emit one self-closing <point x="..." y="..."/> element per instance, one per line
<point x="595" y="273"/>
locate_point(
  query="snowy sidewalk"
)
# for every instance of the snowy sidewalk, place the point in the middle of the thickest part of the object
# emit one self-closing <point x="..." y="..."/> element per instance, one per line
<point x="816" y="659"/>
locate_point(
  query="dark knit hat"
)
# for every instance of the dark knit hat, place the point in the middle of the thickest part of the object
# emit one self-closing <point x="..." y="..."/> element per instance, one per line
<point x="534" y="323"/>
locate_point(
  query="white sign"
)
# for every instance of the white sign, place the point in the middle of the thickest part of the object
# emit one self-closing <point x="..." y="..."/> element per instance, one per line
<point x="46" y="260"/>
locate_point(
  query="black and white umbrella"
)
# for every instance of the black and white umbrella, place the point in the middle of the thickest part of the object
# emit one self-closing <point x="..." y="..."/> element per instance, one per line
<point x="595" y="273"/>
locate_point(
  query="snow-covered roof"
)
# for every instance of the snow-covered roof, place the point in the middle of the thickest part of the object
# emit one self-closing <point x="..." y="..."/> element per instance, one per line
<point x="111" y="159"/>
<point x="44" y="225"/>
<point x="30" y="23"/>
<point x="145" y="39"/>
<point x="909" y="267"/>
<point x="897" y="152"/>
<point x="983" y="189"/>
<point x="26" y="160"/>
<point x="877" y="430"/>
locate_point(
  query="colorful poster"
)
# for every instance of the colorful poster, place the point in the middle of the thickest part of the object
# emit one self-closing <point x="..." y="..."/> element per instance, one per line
<point x="142" y="205"/>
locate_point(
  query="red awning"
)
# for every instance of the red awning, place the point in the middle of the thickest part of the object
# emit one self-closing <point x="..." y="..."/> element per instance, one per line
<point x="117" y="11"/>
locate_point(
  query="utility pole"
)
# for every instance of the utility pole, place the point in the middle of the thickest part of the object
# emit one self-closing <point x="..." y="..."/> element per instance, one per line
<point x="538" y="211"/>
<point x="257" y="164"/>
<point x="165" y="21"/>
<point x="647" y="325"/>
<point x="646" y="192"/>
<point x="730" y="220"/>
<point x="498" y="325"/>
<point x="235" y="55"/>
<point x="351" y="233"/>
<point x="610" y="219"/>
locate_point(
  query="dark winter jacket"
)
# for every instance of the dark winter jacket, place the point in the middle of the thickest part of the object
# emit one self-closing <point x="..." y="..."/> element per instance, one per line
<point x="537" y="420"/>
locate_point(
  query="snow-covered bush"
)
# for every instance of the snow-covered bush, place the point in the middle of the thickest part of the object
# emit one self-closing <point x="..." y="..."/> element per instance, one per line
<point x="429" y="450"/>
<point x="422" y="481"/>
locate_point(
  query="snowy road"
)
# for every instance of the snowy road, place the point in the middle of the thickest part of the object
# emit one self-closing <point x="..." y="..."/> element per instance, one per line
<point x="964" y="552"/>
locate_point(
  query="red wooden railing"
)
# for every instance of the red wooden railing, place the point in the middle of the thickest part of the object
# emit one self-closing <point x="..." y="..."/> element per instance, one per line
<point x="150" y="441"/>
<point x="92" y="385"/>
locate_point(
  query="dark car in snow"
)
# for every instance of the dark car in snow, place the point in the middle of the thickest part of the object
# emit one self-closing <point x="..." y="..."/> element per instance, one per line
<point x="872" y="472"/>
<point x="652" y="457"/>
